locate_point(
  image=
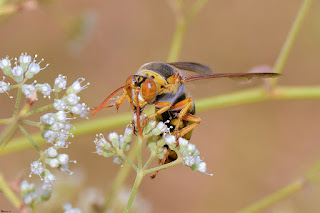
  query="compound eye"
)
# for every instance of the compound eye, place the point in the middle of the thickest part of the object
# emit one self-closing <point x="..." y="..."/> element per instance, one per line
<point x="148" y="90"/>
<point x="129" y="80"/>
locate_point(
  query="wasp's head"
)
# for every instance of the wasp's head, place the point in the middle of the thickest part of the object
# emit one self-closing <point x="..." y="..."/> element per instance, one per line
<point x="143" y="87"/>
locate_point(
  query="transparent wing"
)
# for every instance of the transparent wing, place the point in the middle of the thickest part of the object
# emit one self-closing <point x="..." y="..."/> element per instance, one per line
<point x="192" y="67"/>
<point x="240" y="76"/>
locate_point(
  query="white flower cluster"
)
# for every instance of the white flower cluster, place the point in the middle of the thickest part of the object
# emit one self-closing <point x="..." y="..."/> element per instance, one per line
<point x="68" y="209"/>
<point x="55" y="126"/>
<point x="189" y="152"/>
<point x="119" y="142"/>
<point x="31" y="197"/>
<point x="20" y="73"/>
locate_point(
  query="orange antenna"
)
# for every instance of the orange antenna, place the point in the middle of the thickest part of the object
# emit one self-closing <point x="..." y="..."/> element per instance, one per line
<point x="107" y="99"/>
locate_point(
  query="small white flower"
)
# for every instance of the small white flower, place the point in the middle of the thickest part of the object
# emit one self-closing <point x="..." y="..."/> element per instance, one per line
<point x="76" y="109"/>
<point x="191" y="147"/>
<point x="45" y="89"/>
<point x="60" y="83"/>
<point x="61" y="116"/>
<point x="61" y="144"/>
<point x="4" y="87"/>
<point x="189" y="160"/>
<point x="202" y="167"/>
<point x="34" y="68"/>
<point x="182" y="142"/>
<point x="160" y="128"/>
<point x="59" y="104"/>
<point x="48" y="177"/>
<point x="24" y="59"/>
<point x="68" y="209"/>
<point x="52" y="162"/>
<point x="48" y="119"/>
<point x="73" y="99"/>
<point x="63" y="159"/>
<point x="51" y="152"/>
<point x="5" y="62"/>
<point x="28" y="90"/>
<point x="26" y="188"/>
<point x="36" y="168"/>
<point x="169" y="139"/>
<point x="45" y="192"/>
<point x="76" y="86"/>
<point x="62" y="135"/>
<point x="117" y="159"/>
<point x="114" y="138"/>
<point x="17" y="73"/>
<point x="49" y="135"/>
<point x="30" y="198"/>
<point x="149" y="126"/>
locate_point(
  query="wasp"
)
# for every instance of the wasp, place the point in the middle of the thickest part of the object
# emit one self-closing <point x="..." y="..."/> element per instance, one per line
<point x="163" y="85"/>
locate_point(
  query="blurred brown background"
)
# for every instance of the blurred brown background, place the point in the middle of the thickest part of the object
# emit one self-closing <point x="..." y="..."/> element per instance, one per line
<point x="252" y="150"/>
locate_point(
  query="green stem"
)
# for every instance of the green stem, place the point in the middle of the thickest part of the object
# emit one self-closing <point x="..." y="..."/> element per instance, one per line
<point x="49" y="106"/>
<point x="291" y="37"/>
<point x="5" y="120"/>
<point x="16" y="108"/>
<point x="135" y="187"/>
<point x="153" y="155"/>
<point x="282" y="193"/>
<point x="7" y="134"/>
<point x="173" y="163"/>
<point x="29" y="137"/>
<point x="310" y="177"/>
<point x="214" y="102"/>
<point x="122" y="155"/>
<point x="119" y="180"/>
<point x="140" y="141"/>
<point x="177" y="41"/>
<point x="181" y="25"/>
<point x="31" y="123"/>
<point x="11" y="196"/>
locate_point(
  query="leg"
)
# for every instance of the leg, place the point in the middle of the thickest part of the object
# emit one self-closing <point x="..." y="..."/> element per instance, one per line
<point x="185" y="130"/>
<point x="162" y="106"/>
<point x="183" y="106"/>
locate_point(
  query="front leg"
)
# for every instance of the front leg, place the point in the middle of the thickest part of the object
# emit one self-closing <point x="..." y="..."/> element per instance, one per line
<point x="162" y="107"/>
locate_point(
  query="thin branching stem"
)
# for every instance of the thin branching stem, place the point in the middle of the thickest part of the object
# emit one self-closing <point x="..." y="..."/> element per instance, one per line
<point x="41" y="109"/>
<point x="181" y="24"/>
<point x="291" y="37"/>
<point x="155" y="169"/>
<point x="122" y="155"/>
<point x="10" y="195"/>
<point x="119" y="180"/>
<point x="139" y="141"/>
<point x="16" y="107"/>
<point x="29" y="137"/>
<point x="135" y="187"/>
<point x="5" y="120"/>
<point x="278" y="195"/>
<point x="31" y="123"/>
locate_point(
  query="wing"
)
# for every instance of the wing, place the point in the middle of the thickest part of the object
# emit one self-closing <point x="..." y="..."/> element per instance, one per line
<point x="240" y="76"/>
<point x="192" y="67"/>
